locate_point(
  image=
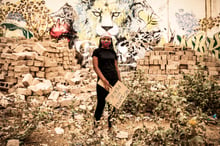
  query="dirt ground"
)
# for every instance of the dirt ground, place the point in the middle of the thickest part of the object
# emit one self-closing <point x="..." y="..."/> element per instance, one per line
<point x="48" y="137"/>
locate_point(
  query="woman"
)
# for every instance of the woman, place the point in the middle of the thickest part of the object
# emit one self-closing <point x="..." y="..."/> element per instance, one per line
<point x="106" y="67"/>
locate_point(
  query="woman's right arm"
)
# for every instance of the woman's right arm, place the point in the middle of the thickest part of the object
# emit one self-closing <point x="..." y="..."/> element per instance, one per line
<point x="99" y="73"/>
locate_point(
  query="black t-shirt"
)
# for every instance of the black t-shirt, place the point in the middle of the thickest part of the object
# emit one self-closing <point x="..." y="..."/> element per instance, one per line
<point x="106" y="63"/>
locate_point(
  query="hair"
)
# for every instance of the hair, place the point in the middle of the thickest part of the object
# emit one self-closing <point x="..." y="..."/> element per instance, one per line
<point x="111" y="45"/>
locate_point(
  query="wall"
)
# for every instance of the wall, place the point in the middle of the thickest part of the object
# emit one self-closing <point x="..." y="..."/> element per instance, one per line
<point x="177" y="21"/>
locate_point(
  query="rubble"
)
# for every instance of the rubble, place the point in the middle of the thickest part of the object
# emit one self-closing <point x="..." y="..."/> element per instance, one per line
<point x="45" y="75"/>
<point x="13" y="142"/>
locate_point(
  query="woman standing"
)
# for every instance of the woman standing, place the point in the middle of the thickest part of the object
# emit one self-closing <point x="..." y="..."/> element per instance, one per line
<point x="106" y="67"/>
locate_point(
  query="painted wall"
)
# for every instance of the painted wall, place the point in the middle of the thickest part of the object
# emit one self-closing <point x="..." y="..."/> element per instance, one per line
<point x="155" y="21"/>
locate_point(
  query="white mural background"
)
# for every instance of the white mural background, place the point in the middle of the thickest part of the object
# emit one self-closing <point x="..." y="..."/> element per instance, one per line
<point x="144" y="24"/>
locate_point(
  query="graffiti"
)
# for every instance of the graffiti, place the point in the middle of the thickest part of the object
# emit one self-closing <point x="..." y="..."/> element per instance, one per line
<point x="209" y="23"/>
<point x="134" y="48"/>
<point x="133" y="24"/>
<point x="186" y="21"/>
<point x="14" y="26"/>
<point x="84" y="51"/>
<point x="200" y="43"/>
<point x="143" y="33"/>
<point x="64" y="29"/>
<point x="34" y="13"/>
<point x="142" y="17"/>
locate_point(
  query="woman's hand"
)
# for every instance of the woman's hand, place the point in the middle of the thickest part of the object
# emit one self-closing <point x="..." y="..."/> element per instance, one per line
<point x="107" y="85"/>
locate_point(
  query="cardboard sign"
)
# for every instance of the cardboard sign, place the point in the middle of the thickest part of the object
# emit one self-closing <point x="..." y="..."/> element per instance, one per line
<point x="117" y="94"/>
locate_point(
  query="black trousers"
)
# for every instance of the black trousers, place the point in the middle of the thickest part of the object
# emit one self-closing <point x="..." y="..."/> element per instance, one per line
<point x="101" y="95"/>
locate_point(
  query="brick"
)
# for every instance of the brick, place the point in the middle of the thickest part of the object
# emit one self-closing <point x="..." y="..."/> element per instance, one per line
<point x="155" y="61"/>
<point x="5" y="85"/>
<point x="13" y="142"/>
<point x="155" y="57"/>
<point x="23" y="91"/>
<point x="11" y="74"/>
<point x="146" y="60"/>
<point x="10" y="79"/>
<point x="40" y="74"/>
<point x="54" y="69"/>
<point x="191" y="62"/>
<point x="211" y="72"/>
<point x="163" y="66"/>
<point x="51" y="75"/>
<point x="38" y="63"/>
<point x="183" y="66"/>
<point x="34" y="69"/>
<point x="140" y="61"/>
<point x="30" y="62"/>
<point x="54" y="95"/>
<point x="5" y="67"/>
<point x="50" y="63"/>
<point x="7" y="56"/>
<point x="214" y="68"/>
<point x="40" y="49"/>
<point x="22" y="68"/>
<point x="164" y="57"/>
<point x="169" y="49"/>
<point x="180" y="53"/>
<point x="184" y="57"/>
<point x="40" y="58"/>
<point x="19" y="63"/>
<point x="189" y="53"/>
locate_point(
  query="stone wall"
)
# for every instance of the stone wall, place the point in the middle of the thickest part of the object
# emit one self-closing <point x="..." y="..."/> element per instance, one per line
<point x="41" y="59"/>
<point x="166" y="64"/>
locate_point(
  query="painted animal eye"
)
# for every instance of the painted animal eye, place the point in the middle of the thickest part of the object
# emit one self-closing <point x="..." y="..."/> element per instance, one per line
<point x="115" y="14"/>
<point x="97" y="13"/>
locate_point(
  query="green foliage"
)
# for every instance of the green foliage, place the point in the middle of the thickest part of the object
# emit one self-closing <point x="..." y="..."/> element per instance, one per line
<point x="183" y="106"/>
<point x="184" y="129"/>
<point x="140" y="99"/>
<point x="200" y="92"/>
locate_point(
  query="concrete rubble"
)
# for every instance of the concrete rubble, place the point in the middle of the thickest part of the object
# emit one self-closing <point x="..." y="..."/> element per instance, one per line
<point x="46" y="75"/>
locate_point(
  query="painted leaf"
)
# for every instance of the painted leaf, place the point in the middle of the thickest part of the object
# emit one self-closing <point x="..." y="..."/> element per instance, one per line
<point x="194" y="44"/>
<point x="179" y="38"/>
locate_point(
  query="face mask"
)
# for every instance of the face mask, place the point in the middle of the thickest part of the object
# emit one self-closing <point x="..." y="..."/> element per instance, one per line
<point x="105" y="44"/>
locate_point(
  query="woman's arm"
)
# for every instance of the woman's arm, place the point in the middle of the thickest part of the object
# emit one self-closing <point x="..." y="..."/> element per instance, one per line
<point x="117" y="69"/>
<point x="99" y="73"/>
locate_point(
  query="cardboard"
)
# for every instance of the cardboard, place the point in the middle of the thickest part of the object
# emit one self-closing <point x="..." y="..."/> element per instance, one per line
<point x="117" y="94"/>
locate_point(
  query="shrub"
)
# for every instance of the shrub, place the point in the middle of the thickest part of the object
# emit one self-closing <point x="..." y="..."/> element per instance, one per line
<point x="140" y="99"/>
<point x="200" y="91"/>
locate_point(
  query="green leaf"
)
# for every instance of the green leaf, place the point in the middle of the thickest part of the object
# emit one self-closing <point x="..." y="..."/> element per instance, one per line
<point x="194" y="44"/>
<point x="179" y="38"/>
<point x="201" y="38"/>
<point x="208" y="39"/>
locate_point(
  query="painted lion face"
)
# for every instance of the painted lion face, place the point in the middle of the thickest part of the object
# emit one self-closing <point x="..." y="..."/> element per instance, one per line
<point x="107" y="16"/>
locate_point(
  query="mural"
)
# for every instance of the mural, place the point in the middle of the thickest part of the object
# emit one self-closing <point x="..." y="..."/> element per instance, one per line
<point x="199" y="41"/>
<point x="186" y="21"/>
<point x="137" y="26"/>
<point x="15" y="22"/>
<point x="34" y="13"/>
<point x="65" y="28"/>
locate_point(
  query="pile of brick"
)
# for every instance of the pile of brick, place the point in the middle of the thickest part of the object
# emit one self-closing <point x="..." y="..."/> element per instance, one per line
<point x="41" y="59"/>
<point x="167" y="64"/>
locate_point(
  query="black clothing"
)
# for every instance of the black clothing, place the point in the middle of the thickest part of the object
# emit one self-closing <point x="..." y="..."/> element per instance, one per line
<point x="106" y="63"/>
